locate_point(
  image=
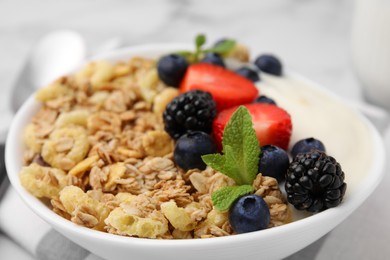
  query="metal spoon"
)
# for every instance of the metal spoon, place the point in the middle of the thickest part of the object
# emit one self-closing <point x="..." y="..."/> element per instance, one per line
<point x="55" y="54"/>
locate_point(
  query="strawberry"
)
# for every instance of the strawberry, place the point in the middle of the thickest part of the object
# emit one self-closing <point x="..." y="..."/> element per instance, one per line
<point x="271" y="123"/>
<point x="227" y="88"/>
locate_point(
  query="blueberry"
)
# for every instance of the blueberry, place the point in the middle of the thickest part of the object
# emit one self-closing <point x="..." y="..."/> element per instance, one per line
<point x="248" y="73"/>
<point x="222" y="40"/>
<point x="269" y="64"/>
<point x="171" y="69"/>
<point x="265" y="100"/>
<point x="249" y="213"/>
<point x="190" y="147"/>
<point x="273" y="162"/>
<point x="306" y="145"/>
<point x="213" y="58"/>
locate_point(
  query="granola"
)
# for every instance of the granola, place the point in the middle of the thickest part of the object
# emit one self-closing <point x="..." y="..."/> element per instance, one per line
<point x="98" y="151"/>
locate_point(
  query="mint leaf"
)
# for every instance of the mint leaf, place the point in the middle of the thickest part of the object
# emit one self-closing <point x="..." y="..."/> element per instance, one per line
<point x="222" y="48"/>
<point x="226" y="164"/>
<point x="188" y="55"/>
<point x="225" y="196"/>
<point x="239" y="161"/>
<point x="232" y="166"/>
<point x="184" y="53"/>
<point x="215" y="161"/>
<point x="241" y="149"/>
<point x="245" y="149"/>
<point x="200" y="40"/>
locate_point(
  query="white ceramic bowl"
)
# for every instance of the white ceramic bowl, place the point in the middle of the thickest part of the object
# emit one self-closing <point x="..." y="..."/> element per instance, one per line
<point x="274" y="243"/>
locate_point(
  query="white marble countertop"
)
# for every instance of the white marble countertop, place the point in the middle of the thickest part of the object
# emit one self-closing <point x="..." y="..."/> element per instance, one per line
<point x="311" y="37"/>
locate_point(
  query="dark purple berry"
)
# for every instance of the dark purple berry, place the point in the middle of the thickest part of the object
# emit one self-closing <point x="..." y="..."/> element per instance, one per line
<point x="190" y="148"/>
<point x="213" y="58"/>
<point x="249" y="213"/>
<point x="269" y="64"/>
<point x="315" y="182"/>
<point x="265" y="100"/>
<point x="191" y="111"/>
<point x="273" y="162"/>
<point x="306" y="145"/>
<point x="248" y="73"/>
<point x="171" y="69"/>
<point x="220" y="41"/>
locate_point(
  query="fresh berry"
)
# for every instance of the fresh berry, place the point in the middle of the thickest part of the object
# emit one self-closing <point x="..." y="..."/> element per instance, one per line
<point x="220" y="41"/>
<point x="249" y="213"/>
<point x="190" y="111"/>
<point x="306" y="145"/>
<point x="265" y="100"/>
<point x="269" y="64"/>
<point x="271" y="123"/>
<point x="227" y="88"/>
<point x="189" y="149"/>
<point x="315" y="182"/>
<point x="171" y="69"/>
<point x="249" y="74"/>
<point x="273" y="162"/>
<point x="213" y="58"/>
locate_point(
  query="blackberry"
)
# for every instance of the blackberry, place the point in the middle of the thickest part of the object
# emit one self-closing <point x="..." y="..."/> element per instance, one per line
<point x="191" y="111"/>
<point x="315" y="182"/>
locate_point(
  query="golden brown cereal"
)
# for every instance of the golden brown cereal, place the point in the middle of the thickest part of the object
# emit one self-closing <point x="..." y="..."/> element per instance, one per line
<point x="157" y="143"/>
<point x="43" y="182"/>
<point x="98" y="151"/>
<point x="76" y="117"/>
<point x="162" y="99"/>
<point x="68" y="158"/>
<point x="84" y="210"/>
<point x="177" y="216"/>
<point x="83" y="166"/>
<point x="54" y="91"/>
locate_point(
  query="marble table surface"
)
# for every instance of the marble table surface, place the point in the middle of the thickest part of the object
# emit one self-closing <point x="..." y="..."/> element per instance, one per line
<point x="311" y="37"/>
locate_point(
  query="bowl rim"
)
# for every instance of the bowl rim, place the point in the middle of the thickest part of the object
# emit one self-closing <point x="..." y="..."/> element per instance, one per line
<point x="340" y="213"/>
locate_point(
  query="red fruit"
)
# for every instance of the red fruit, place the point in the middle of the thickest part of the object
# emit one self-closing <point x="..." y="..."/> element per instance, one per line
<point x="271" y="123"/>
<point x="227" y="88"/>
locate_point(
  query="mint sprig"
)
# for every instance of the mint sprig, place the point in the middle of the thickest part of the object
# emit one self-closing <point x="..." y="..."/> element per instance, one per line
<point x="223" y="47"/>
<point x="240" y="156"/>
<point x="200" y="40"/>
<point x="225" y="196"/>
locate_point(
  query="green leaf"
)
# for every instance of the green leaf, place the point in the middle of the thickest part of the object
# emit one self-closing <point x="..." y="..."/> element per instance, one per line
<point x="188" y="55"/>
<point x="245" y="149"/>
<point x="232" y="166"/>
<point x="200" y="40"/>
<point x="184" y="53"/>
<point x="225" y="196"/>
<point x="215" y="161"/>
<point x="222" y="48"/>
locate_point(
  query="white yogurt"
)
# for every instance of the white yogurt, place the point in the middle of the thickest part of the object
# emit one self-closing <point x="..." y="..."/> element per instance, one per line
<point x="318" y="114"/>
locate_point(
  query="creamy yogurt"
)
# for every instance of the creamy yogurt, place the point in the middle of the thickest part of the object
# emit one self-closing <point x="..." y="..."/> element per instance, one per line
<point x="316" y="113"/>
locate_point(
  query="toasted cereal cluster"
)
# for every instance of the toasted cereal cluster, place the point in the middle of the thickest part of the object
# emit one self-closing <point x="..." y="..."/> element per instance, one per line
<point x="97" y="150"/>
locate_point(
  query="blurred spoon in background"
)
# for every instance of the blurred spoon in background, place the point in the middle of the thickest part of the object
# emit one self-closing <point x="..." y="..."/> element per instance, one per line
<point x="55" y="54"/>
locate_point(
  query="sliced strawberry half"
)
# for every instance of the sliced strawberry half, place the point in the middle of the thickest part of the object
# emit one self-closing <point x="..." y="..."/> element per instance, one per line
<point x="271" y="123"/>
<point x="227" y="88"/>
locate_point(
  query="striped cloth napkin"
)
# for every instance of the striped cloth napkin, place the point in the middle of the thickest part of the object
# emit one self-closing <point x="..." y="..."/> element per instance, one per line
<point x="34" y="235"/>
<point x="30" y="232"/>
